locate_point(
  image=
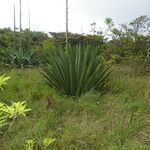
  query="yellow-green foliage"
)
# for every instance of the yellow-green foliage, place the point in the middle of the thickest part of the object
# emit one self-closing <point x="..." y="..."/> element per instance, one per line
<point x="16" y="109"/>
<point x="9" y="114"/>
<point x="44" y="144"/>
<point x="3" y="118"/>
<point x="3" y="81"/>
<point x="29" y="145"/>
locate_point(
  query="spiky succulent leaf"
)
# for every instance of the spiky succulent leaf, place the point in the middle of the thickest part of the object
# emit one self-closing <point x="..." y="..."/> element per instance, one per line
<point x="76" y="72"/>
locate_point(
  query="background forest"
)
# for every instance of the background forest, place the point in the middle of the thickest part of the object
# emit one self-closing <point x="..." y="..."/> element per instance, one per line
<point x="121" y="43"/>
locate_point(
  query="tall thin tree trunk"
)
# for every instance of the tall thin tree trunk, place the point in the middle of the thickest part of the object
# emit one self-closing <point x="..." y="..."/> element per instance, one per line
<point x="29" y="38"/>
<point x="29" y="20"/>
<point x="66" y="25"/>
<point x="20" y="16"/>
<point x="14" y="26"/>
<point x="20" y="24"/>
<point x="14" y="18"/>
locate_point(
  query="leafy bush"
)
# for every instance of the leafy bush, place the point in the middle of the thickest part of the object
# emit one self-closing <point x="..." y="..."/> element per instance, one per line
<point x="20" y="58"/>
<point x="15" y="110"/>
<point x="75" y="39"/>
<point x="29" y="39"/>
<point x="9" y="114"/>
<point x="142" y="66"/>
<point x="76" y="72"/>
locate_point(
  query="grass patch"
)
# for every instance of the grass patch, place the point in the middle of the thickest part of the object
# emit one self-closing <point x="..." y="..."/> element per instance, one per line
<point x="116" y="120"/>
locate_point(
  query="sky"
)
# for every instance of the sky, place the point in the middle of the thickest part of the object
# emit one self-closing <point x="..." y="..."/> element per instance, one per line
<point x="49" y="15"/>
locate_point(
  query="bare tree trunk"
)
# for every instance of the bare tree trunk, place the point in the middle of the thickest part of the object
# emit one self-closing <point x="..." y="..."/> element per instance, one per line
<point x="14" y="18"/>
<point x="20" y="17"/>
<point x="29" y="38"/>
<point x="14" y="26"/>
<point x="20" y="25"/>
<point x="66" y="25"/>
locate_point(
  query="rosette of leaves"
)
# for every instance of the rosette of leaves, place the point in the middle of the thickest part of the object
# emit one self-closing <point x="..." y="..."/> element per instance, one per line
<point x="9" y="114"/>
<point x="76" y="71"/>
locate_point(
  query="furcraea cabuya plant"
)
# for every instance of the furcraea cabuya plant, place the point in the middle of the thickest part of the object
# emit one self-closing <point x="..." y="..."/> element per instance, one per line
<point x="76" y="71"/>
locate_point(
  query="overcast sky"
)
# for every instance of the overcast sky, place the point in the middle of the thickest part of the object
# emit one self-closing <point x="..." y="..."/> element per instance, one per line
<point x="49" y="15"/>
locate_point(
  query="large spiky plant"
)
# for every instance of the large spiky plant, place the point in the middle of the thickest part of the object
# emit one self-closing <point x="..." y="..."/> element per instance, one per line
<point x="79" y="70"/>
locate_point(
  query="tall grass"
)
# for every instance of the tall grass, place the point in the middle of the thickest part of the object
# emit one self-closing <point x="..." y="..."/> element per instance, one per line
<point x="118" y="120"/>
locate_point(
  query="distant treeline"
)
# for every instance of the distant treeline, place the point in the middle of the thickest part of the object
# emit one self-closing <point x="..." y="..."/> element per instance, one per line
<point x="118" y="41"/>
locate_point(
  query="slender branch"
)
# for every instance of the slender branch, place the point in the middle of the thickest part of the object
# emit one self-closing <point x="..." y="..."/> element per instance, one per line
<point x="10" y="126"/>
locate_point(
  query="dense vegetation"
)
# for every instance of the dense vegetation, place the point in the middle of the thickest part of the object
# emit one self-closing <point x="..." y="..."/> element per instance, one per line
<point x="93" y="93"/>
<point x="125" y="42"/>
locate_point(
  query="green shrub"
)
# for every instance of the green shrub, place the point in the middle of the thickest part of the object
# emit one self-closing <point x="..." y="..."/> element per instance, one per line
<point x="141" y="66"/>
<point x="76" y="72"/>
<point x="9" y="114"/>
<point x="48" y="45"/>
<point x="20" y="58"/>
